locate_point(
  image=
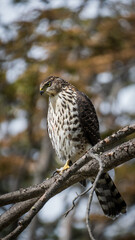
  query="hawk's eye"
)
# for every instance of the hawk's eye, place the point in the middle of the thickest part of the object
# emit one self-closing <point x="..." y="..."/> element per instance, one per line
<point x="48" y="84"/>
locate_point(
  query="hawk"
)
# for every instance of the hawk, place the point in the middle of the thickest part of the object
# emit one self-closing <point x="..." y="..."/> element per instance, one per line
<point x="73" y="128"/>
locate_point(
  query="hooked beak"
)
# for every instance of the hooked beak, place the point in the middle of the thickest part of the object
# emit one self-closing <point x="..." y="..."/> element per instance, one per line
<point x="41" y="91"/>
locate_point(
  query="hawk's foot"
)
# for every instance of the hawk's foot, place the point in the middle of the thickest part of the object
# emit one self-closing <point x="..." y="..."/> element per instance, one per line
<point x="62" y="169"/>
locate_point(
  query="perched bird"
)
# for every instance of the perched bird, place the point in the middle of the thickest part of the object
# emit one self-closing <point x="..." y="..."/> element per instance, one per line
<point x="73" y="128"/>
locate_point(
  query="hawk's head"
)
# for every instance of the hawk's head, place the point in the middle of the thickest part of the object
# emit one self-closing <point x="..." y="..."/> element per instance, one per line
<point x="52" y="85"/>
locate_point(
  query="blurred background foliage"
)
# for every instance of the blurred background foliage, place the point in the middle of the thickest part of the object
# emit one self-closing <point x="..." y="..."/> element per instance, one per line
<point x="91" y="44"/>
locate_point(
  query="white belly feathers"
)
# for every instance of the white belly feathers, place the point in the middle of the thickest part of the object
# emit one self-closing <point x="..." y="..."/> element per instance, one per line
<point x="64" y="127"/>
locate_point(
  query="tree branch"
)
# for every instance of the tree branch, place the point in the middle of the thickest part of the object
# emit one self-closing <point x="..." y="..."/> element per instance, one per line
<point x="16" y="211"/>
<point x="75" y="199"/>
<point x="33" y="198"/>
<point x="39" y="189"/>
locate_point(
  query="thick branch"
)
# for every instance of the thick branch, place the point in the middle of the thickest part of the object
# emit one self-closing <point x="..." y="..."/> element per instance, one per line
<point x="111" y="162"/>
<point x="119" y="155"/>
<point x="114" y="140"/>
<point x="16" y="211"/>
<point x="111" y="159"/>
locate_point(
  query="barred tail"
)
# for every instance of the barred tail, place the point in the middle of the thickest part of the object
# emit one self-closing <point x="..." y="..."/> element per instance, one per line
<point x="109" y="198"/>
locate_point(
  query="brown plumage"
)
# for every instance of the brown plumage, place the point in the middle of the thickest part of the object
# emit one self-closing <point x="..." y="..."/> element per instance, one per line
<point x="73" y="128"/>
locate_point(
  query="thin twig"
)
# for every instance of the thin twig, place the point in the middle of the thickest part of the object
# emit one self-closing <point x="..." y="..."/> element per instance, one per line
<point x="74" y="200"/>
<point x="92" y="192"/>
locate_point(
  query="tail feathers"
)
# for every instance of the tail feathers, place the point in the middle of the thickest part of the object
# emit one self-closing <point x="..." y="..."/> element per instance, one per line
<point x="109" y="198"/>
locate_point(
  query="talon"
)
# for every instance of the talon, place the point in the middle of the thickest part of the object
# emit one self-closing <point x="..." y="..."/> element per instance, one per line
<point x="59" y="170"/>
<point x="66" y="166"/>
<point x="62" y="169"/>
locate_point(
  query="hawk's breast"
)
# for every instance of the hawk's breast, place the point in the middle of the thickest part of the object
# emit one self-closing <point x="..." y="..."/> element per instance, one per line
<point x="64" y="126"/>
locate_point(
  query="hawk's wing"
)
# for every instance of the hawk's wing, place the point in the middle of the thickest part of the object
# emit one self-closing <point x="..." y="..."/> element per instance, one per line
<point x="88" y="118"/>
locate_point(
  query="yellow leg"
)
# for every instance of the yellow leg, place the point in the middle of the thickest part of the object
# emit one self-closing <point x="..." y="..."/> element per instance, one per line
<point x="62" y="169"/>
<point x="66" y="166"/>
